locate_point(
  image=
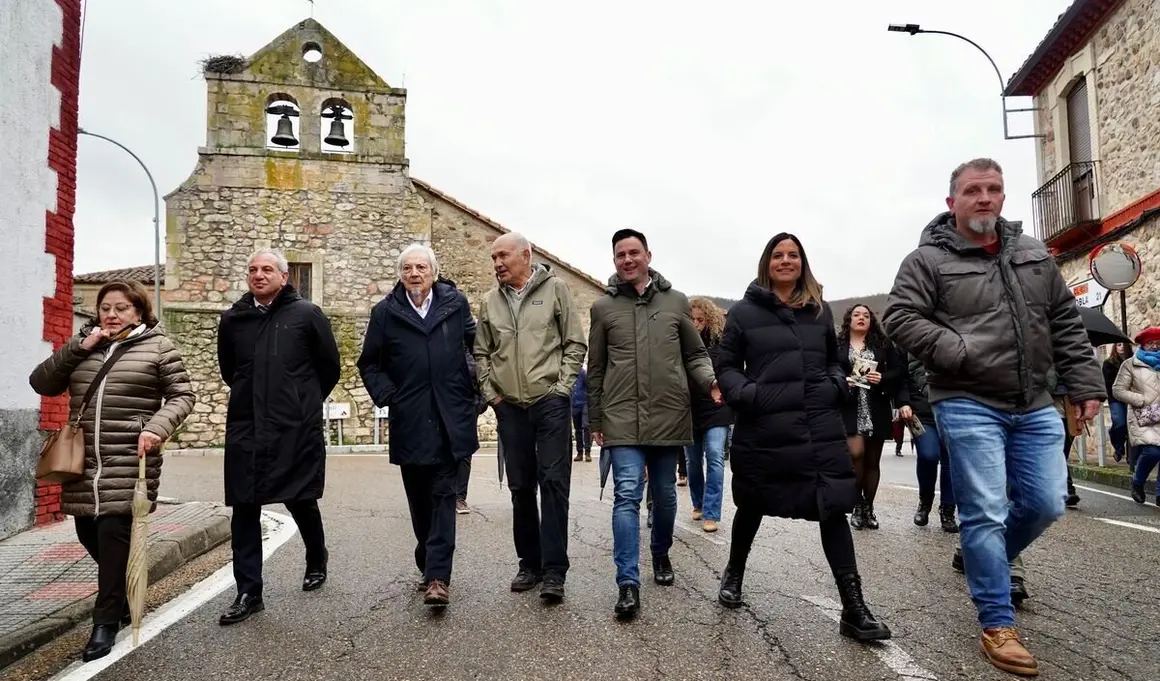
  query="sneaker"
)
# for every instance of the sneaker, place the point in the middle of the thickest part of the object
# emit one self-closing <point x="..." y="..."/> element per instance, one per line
<point x="461" y="507"/>
<point x="552" y="591"/>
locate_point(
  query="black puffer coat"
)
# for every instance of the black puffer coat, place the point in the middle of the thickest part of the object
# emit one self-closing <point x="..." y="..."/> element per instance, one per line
<point x="280" y="365"/>
<point x="890" y="392"/>
<point x="707" y="413"/>
<point x="418" y="366"/>
<point x="778" y="368"/>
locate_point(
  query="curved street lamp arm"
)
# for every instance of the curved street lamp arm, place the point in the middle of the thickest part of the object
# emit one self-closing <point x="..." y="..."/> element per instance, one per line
<point x="998" y="73"/>
<point x="156" y="217"/>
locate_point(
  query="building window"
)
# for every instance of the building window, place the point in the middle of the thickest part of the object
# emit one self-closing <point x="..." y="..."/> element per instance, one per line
<point x="301" y="279"/>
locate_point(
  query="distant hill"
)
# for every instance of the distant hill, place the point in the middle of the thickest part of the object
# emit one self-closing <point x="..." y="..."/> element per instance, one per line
<point x="876" y="303"/>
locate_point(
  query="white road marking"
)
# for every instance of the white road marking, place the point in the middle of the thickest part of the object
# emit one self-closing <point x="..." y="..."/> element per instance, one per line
<point x="1100" y="491"/>
<point x="281" y="529"/>
<point x="890" y="653"/>
<point x="1124" y="523"/>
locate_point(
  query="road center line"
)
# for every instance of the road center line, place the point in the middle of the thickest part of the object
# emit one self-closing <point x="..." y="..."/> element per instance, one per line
<point x="1124" y="523"/>
<point x="282" y="528"/>
<point x="890" y="653"/>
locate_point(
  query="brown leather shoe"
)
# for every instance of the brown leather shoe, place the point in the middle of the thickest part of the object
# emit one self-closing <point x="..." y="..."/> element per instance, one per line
<point x="1004" y="649"/>
<point x="437" y="595"/>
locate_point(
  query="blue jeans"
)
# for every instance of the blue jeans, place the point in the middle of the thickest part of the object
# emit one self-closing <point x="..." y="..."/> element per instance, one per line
<point x="628" y="464"/>
<point x="996" y="455"/>
<point x="1149" y="457"/>
<point x="705" y="462"/>
<point x="932" y="455"/>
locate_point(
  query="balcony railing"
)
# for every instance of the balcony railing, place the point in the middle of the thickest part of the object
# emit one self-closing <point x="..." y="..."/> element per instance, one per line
<point x="1068" y="200"/>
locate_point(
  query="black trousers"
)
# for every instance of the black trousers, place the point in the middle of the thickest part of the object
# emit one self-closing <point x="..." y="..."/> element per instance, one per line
<point x="106" y="538"/>
<point x="462" y="476"/>
<point x="536" y="442"/>
<point x="431" y="493"/>
<point x="1068" y="439"/>
<point x="246" y="541"/>
<point x="583" y="432"/>
<point x="837" y="542"/>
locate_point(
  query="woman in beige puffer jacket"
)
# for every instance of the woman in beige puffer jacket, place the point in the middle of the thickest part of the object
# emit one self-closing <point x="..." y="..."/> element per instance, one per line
<point x="143" y="399"/>
<point x="1138" y="386"/>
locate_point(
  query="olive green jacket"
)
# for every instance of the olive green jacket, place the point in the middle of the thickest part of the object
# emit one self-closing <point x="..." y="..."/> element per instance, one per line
<point x="642" y="349"/>
<point x="522" y="356"/>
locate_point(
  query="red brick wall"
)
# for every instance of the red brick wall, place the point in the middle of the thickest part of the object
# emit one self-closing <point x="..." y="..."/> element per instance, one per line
<point x="62" y="157"/>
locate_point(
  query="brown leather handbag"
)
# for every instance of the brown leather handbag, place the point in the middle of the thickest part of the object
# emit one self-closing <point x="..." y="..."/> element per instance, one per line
<point x="62" y="458"/>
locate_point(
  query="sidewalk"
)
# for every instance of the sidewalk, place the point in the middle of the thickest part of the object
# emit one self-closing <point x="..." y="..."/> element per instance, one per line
<point x="50" y="582"/>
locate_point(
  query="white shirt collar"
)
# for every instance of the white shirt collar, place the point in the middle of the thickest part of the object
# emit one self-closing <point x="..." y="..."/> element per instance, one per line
<point x="424" y="307"/>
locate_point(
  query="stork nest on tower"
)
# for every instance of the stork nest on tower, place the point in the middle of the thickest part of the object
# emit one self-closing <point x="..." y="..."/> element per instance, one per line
<point x="223" y="63"/>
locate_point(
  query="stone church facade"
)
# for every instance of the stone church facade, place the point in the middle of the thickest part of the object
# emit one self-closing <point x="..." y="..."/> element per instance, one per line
<point x="341" y="215"/>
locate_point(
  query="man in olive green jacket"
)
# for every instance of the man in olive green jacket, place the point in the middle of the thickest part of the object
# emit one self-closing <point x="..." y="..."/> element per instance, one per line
<point x="529" y="346"/>
<point x="643" y="346"/>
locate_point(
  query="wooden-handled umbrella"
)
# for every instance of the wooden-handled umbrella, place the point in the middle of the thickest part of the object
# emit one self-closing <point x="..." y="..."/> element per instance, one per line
<point x="137" y="572"/>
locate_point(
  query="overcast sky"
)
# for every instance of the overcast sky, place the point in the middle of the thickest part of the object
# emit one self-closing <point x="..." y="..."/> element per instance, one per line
<point x="708" y="126"/>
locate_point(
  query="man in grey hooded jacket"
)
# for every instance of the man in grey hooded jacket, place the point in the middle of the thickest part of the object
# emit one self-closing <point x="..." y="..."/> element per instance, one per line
<point x="986" y="309"/>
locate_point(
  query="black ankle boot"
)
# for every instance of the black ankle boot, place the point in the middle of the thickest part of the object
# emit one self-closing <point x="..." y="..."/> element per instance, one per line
<point x="628" y="604"/>
<point x="730" y="593"/>
<point x="100" y="642"/>
<point x="857" y="621"/>
<point x="922" y="515"/>
<point x="946" y="516"/>
<point x="869" y="520"/>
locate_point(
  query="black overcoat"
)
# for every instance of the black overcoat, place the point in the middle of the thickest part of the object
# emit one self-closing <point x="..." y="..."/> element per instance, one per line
<point x="890" y="393"/>
<point x="280" y="364"/>
<point x="418" y="367"/>
<point x="778" y="369"/>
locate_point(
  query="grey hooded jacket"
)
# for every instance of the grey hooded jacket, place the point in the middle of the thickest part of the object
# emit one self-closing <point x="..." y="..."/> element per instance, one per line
<point x="989" y="327"/>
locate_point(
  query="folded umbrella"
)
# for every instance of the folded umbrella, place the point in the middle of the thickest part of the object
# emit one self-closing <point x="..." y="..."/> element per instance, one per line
<point x="499" y="458"/>
<point x="137" y="572"/>
<point x="1100" y="329"/>
<point x="605" y="467"/>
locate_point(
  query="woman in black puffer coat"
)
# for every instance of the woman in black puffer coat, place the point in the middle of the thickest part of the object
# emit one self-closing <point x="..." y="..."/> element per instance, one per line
<point x="778" y="369"/>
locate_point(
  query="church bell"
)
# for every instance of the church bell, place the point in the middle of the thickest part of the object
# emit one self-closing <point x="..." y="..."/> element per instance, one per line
<point x="337" y="136"/>
<point x="284" y="135"/>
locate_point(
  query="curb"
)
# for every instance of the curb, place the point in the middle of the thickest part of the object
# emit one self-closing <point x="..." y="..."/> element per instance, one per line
<point x="164" y="557"/>
<point x="1112" y="477"/>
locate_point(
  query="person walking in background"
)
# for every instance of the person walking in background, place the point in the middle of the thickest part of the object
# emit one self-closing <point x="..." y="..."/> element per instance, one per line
<point x="580" y="417"/>
<point x="1138" y="386"/>
<point x="780" y="371"/>
<point x="1058" y="396"/>
<point x="1118" y="433"/>
<point x="933" y="460"/>
<point x="528" y="349"/>
<point x="129" y="390"/>
<point x="643" y="349"/>
<point x="277" y="353"/>
<point x="414" y="360"/>
<point x="985" y="309"/>
<point x="868" y="416"/>
<point x="463" y="474"/>
<point x="898" y="431"/>
<point x="705" y="458"/>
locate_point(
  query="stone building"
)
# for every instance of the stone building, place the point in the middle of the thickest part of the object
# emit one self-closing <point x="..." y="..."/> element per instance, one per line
<point x="1095" y="79"/>
<point x="340" y="213"/>
<point x="40" y="73"/>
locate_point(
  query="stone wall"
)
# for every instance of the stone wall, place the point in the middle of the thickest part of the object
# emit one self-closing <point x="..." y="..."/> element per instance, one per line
<point x="1122" y="65"/>
<point x="1127" y="51"/>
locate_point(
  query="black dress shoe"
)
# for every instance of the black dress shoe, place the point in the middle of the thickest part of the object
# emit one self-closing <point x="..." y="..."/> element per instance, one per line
<point x="100" y="642"/>
<point x="553" y="590"/>
<point x="316" y="576"/>
<point x="244" y="606"/>
<point x="629" y="602"/>
<point x="1019" y="591"/>
<point x="663" y="570"/>
<point x="525" y="580"/>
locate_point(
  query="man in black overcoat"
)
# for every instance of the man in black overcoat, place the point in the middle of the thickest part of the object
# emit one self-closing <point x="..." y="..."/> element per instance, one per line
<point x="278" y="356"/>
<point x="414" y="360"/>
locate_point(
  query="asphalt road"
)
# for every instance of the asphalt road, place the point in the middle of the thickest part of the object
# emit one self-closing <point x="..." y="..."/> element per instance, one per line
<point x="1093" y="614"/>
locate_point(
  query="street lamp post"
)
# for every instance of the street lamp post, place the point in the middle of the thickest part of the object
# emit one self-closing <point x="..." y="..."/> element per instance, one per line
<point x="156" y="218"/>
<point x="915" y="29"/>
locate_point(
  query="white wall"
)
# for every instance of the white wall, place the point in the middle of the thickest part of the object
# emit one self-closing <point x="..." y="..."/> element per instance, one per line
<point x="29" y="107"/>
